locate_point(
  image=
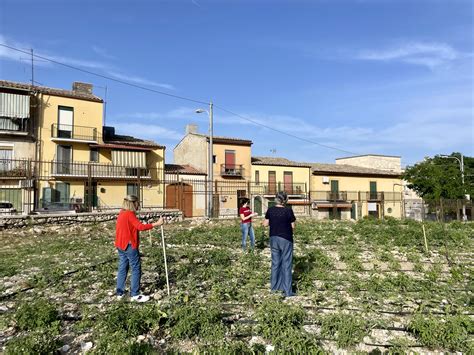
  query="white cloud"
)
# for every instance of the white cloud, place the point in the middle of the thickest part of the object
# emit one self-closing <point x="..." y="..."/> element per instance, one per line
<point x="103" y="52"/>
<point x="417" y="53"/>
<point x="140" y="80"/>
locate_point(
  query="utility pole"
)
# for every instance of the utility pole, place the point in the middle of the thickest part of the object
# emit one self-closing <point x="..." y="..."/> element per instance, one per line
<point x="211" y="160"/>
<point x="32" y="69"/>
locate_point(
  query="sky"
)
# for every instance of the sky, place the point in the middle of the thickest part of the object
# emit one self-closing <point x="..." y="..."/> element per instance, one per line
<point x="310" y="81"/>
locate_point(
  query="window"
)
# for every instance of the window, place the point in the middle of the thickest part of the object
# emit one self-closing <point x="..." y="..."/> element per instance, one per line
<point x="257" y="177"/>
<point x="94" y="155"/>
<point x="230" y="162"/>
<point x="373" y="190"/>
<point x="65" y="122"/>
<point x="334" y="190"/>
<point x="213" y="159"/>
<point x="6" y="156"/>
<point x="132" y="189"/>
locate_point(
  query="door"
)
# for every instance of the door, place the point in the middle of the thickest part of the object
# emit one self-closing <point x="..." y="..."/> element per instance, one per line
<point x="65" y="122"/>
<point x="373" y="190"/>
<point x="94" y="198"/>
<point x="230" y="162"/>
<point x="180" y="196"/>
<point x="334" y="190"/>
<point x="64" y="157"/>
<point x="240" y="196"/>
<point x="257" y="205"/>
<point x="272" y="182"/>
<point x="288" y="182"/>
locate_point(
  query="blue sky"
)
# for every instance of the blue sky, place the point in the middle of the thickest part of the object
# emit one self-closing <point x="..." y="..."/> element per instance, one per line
<point x="367" y="76"/>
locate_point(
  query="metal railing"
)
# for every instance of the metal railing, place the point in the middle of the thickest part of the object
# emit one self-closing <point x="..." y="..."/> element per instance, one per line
<point x="95" y="170"/>
<point x="232" y="170"/>
<point x="13" y="168"/>
<point x="81" y="133"/>
<point x="269" y="188"/>
<point x="14" y="125"/>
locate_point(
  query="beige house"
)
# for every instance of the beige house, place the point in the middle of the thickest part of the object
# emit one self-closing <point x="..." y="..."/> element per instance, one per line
<point x="78" y="161"/>
<point x="340" y="191"/>
<point x="231" y="166"/>
<point x="274" y="174"/>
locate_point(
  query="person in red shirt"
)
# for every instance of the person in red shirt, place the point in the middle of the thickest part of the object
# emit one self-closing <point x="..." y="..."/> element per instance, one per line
<point x="246" y="224"/>
<point x="127" y="242"/>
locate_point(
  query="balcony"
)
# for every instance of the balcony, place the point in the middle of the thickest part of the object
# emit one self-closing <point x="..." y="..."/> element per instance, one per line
<point x="273" y="188"/>
<point x="10" y="168"/>
<point x="71" y="133"/>
<point x="232" y="170"/>
<point x="374" y="196"/>
<point x="14" y="126"/>
<point x="94" y="170"/>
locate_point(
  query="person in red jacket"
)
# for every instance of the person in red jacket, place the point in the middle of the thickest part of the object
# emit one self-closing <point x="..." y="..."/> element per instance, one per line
<point x="127" y="243"/>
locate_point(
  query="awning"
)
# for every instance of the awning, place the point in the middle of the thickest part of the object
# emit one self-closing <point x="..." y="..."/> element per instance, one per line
<point x="131" y="159"/>
<point x="14" y="106"/>
<point x="120" y="146"/>
<point x="298" y="202"/>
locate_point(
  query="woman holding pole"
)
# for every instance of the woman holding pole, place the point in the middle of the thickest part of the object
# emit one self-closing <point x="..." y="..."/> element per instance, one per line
<point x="127" y="243"/>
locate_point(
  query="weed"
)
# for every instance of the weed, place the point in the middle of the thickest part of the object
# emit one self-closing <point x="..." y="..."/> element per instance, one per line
<point x="348" y="330"/>
<point x="36" y="315"/>
<point x="40" y="341"/>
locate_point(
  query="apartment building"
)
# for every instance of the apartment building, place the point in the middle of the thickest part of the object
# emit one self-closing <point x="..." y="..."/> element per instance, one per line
<point x="231" y="166"/>
<point x="78" y="161"/>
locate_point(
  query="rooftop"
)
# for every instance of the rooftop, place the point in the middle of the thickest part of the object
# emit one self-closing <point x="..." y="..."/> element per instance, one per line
<point x="49" y="91"/>
<point x="278" y="162"/>
<point x="182" y="169"/>
<point x="131" y="141"/>
<point x="226" y="140"/>
<point x="349" y="169"/>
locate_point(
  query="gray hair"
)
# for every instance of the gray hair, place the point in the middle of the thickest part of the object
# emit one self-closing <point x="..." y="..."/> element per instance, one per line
<point x="130" y="203"/>
<point x="281" y="198"/>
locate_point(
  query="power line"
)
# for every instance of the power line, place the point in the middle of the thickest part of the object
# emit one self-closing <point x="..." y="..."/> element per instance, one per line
<point x="285" y="133"/>
<point x="104" y="76"/>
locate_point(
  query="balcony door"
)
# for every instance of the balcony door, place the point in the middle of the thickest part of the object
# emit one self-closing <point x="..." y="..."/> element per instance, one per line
<point x="230" y="162"/>
<point x="64" y="158"/>
<point x="288" y="182"/>
<point x="65" y="122"/>
<point x="373" y="190"/>
<point x="272" y="182"/>
<point x="334" y="190"/>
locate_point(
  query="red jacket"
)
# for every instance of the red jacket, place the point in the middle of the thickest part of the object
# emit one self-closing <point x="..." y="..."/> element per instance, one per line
<point x="126" y="230"/>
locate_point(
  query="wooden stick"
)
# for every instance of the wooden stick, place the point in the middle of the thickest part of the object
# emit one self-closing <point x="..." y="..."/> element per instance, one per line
<point x="424" y="237"/>
<point x="164" y="256"/>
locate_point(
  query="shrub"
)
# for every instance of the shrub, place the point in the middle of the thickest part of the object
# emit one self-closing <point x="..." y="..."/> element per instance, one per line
<point x="191" y="321"/>
<point x="37" y="314"/>
<point x="41" y="341"/>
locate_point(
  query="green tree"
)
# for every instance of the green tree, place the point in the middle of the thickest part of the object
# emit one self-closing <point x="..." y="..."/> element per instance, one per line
<point x="441" y="177"/>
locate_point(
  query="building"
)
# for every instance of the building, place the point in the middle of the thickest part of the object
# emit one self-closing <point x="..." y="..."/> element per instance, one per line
<point x="17" y="145"/>
<point x="78" y="161"/>
<point x="274" y="174"/>
<point x="231" y="166"/>
<point x="340" y="191"/>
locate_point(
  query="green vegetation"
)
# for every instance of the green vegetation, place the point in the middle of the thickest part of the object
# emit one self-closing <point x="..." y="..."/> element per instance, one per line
<point x="354" y="281"/>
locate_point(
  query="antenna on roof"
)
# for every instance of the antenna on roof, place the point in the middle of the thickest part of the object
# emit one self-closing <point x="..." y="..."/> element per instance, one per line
<point x="32" y="69"/>
<point x="273" y="150"/>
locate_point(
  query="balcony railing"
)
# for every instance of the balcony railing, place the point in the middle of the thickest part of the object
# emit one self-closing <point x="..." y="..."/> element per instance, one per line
<point x="12" y="125"/>
<point x="273" y="188"/>
<point x="232" y="170"/>
<point x="70" y="132"/>
<point x="13" y="168"/>
<point x="86" y="169"/>
<point x="355" y="196"/>
<point x="374" y="196"/>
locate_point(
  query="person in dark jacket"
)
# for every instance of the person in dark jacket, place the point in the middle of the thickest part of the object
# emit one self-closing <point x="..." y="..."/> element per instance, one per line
<point x="127" y="242"/>
<point x="282" y="223"/>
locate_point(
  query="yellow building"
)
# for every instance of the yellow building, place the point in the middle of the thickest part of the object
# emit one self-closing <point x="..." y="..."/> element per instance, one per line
<point x="231" y="166"/>
<point x="271" y="175"/>
<point x="340" y="191"/>
<point x="79" y="162"/>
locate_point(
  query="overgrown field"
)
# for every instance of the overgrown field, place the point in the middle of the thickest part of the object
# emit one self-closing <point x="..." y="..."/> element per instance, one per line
<point x="362" y="287"/>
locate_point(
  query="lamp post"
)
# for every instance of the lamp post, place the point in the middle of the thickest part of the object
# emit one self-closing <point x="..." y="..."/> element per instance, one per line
<point x="210" y="172"/>
<point x="461" y="167"/>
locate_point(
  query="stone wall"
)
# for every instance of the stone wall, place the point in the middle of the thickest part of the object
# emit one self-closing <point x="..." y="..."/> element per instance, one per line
<point x="7" y="222"/>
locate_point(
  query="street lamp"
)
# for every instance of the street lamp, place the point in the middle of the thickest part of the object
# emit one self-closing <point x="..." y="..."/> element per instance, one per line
<point x="210" y="159"/>
<point x="461" y="167"/>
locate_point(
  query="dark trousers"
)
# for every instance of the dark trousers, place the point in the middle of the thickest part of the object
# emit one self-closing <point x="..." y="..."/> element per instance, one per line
<point x="282" y="263"/>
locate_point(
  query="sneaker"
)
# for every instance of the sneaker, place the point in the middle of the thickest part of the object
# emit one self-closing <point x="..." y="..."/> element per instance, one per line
<point x="140" y="298"/>
<point x="119" y="297"/>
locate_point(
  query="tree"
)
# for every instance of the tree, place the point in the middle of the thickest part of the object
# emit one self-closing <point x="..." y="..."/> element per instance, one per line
<point x="438" y="177"/>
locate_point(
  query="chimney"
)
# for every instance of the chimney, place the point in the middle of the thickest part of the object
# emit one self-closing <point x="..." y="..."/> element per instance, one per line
<point x="108" y="132"/>
<point x="191" y="128"/>
<point x="82" y="88"/>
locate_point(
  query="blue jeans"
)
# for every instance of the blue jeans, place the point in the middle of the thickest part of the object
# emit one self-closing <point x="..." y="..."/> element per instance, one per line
<point x="129" y="257"/>
<point x="282" y="263"/>
<point x="247" y="229"/>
